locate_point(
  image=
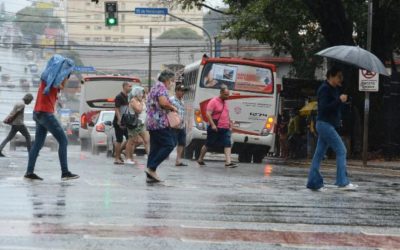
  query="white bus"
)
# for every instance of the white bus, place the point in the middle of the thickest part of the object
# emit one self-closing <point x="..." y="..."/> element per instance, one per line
<point x="253" y="104"/>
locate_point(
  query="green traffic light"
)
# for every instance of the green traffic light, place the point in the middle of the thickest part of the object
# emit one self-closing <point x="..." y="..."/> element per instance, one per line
<point x="111" y="20"/>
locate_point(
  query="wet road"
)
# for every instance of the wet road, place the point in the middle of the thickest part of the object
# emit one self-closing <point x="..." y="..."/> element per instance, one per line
<point x="255" y="206"/>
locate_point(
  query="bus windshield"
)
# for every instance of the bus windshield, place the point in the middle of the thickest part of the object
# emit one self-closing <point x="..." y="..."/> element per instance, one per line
<point x="237" y="77"/>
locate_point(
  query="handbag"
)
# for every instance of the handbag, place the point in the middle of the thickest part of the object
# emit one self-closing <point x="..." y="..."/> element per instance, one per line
<point x="216" y="120"/>
<point x="10" y="118"/>
<point x="174" y="119"/>
<point x="129" y="120"/>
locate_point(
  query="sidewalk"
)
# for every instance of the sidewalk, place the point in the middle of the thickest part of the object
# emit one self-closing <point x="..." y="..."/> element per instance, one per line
<point x="376" y="164"/>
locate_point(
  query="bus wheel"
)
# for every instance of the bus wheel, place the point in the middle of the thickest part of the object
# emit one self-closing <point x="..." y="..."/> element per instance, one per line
<point x="258" y="157"/>
<point x="245" y="157"/>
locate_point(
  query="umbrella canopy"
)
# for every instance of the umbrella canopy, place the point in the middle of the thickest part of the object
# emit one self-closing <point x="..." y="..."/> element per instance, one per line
<point x="308" y="108"/>
<point x="355" y="56"/>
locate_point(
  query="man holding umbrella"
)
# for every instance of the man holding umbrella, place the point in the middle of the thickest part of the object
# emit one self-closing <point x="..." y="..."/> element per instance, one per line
<point x="328" y="120"/>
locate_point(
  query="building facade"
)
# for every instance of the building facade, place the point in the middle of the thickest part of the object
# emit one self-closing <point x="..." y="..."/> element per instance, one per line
<point x="85" y="22"/>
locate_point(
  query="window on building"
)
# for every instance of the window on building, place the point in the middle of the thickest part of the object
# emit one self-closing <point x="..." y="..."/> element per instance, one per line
<point x="87" y="27"/>
<point x="88" y="16"/>
<point x="115" y="39"/>
<point x="98" y="27"/>
<point x="97" y="39"/>
<point x="107" y="39"/>
<point x="98" y="17"/>
<point x="123" y="28"/>
<point x="123" y="17"/>
<point x="87" y="39"/>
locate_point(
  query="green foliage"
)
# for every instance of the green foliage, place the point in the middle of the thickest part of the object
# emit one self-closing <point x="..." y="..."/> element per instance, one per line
<point x="33" y="21"/>
<point x="180" y="33"/>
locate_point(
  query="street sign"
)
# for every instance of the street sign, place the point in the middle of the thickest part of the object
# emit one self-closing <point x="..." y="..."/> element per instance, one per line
<point x="368" y="81"/>
<point x="151" y="11"/>
<point x="84" y="69"/>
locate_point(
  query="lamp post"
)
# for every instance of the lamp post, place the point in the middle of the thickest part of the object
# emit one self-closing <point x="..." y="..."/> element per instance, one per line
<point x="366" y="102"/>
<point x="205" y="31"/>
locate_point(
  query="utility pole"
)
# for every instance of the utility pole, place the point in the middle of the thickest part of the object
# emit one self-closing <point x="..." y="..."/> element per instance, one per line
<point x="178" y="55"/>
<point x="150" y="47"/>
<point x="366" y="102"/>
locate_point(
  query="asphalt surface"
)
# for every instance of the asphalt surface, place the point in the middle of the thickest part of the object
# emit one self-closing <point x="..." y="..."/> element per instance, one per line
<point x="254" y="206"/>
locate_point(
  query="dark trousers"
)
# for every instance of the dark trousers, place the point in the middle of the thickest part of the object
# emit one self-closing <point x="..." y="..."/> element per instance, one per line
<point x="14" y="129"/>
<point x="162" y="142"/>
<point x="48" y="122"/>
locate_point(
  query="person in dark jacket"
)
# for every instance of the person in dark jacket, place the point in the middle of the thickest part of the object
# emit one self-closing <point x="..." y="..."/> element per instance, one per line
<point x="330" y="101"/>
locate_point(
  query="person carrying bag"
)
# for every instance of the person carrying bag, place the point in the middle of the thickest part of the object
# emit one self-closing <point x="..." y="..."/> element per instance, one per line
<point x="129" y="120"/>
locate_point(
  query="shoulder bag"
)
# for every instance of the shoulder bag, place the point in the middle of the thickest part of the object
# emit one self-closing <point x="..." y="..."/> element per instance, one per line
<point x="174" y="119"/>
<point x="129" y="120"/>
<point x="216" y="120"/>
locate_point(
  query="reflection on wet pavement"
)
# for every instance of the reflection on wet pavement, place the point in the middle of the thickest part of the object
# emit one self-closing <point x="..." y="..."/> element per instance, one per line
<point x="256" y="206"/>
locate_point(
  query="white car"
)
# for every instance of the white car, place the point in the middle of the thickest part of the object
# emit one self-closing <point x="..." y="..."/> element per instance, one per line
<point x="19" y="140"/>
<point x="99" y="132"/>
<point x="110" y="150"/>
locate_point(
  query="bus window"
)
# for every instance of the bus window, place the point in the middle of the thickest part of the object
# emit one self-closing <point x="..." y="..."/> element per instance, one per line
<point x="237" y="77"/>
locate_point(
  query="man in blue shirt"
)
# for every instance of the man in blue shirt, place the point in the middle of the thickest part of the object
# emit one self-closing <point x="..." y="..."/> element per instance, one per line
<point x="328" y="121"/>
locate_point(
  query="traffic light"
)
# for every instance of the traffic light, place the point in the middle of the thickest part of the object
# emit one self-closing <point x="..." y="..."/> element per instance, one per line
<point x="111" y="12"/>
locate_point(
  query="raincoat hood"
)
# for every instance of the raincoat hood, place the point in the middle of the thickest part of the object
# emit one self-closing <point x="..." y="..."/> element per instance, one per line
<point x="57" y="69"/>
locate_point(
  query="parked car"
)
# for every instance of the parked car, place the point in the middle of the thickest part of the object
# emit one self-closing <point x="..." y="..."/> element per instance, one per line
<point x="19" y="140"/>
<point x="110" y="150"/>
<point x="72" y="131"/>
<point x="98" y="134"/>
<point x="23" y="83"/>
<point x="33" y="67"/>
<point x="35" y="80"/>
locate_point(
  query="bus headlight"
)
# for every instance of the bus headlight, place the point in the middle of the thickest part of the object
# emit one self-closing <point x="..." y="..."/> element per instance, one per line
<point x="198" y="120"/>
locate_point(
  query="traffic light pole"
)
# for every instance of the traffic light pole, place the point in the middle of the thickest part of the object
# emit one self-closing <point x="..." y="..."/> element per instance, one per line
<point x="195" y="25"/>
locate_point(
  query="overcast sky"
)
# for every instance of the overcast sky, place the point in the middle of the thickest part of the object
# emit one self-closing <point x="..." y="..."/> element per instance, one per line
<point x="15" y="5"/>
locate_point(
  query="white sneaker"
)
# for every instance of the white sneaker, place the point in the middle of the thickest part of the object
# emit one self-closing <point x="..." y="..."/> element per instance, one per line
<point x="349" y="186"/>
<point x="130" y="162"/>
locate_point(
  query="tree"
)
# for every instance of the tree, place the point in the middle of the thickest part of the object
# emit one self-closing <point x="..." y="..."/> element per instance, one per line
<point x="180" y="33"/>
<point x="302" y="27"/>
<point x="33" y="21"/>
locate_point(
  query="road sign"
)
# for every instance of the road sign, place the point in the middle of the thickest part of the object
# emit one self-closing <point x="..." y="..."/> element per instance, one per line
<point x="84" y="69"/>
<point x="368" y="81"/>
<point x="151" y="11"/>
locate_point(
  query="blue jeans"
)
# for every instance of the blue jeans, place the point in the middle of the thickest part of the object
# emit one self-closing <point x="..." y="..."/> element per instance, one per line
<point x="328" y="137"/>
<point x="162" y="142"/>
<point x="48" y="122"/>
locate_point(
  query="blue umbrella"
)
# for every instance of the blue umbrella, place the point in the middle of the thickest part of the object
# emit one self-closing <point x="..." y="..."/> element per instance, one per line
<point x="355" y="56"/>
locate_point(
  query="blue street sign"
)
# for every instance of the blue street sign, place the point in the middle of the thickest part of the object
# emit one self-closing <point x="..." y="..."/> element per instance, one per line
<point x="84" y="69"/>
<point x="151" y="11"/>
